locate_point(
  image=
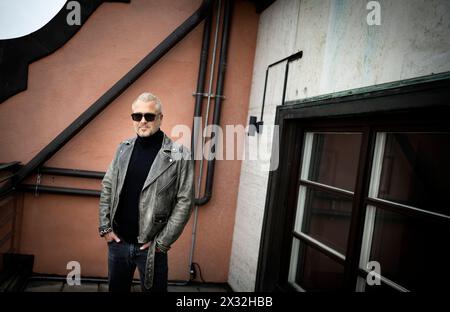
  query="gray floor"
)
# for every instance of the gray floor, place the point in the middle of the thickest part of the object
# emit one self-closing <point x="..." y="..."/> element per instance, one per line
<point x="62" y="286"/>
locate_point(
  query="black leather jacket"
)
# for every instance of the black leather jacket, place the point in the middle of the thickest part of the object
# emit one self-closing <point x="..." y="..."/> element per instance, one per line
<point x="166" y="200"/>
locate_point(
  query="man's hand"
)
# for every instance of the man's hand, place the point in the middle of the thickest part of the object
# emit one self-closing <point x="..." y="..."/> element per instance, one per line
<point x="110" y="237"/>
<point x="145" y="246"/>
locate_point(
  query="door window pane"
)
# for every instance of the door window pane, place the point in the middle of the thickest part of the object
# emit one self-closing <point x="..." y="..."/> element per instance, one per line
<point x="416" y="170"/>
<point x="326" y="217"/>
<point x="412" y="252"/>
<point x="315" y="271"/>
<point x="334" y="159"/>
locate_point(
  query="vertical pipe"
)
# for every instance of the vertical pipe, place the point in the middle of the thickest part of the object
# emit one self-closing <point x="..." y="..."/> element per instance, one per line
<point x="199" y="183"/>
<point x="201" y="78"/>
<point x="219" y="88"/>
<point x="198" y="110"/>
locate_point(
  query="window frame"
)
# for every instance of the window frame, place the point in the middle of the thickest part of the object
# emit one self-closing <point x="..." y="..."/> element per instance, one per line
<point x="304" y="184"/>
<point x="417" y="105"/>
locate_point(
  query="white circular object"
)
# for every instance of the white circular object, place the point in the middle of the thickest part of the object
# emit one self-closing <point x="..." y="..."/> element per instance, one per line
<point x="19" y="18"/>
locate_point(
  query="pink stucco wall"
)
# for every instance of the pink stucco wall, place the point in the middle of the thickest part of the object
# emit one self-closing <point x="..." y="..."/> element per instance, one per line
<point x="58" y="229"/>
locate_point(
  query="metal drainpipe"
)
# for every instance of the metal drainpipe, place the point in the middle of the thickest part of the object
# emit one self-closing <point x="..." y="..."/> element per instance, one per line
<point x="198" y="201"/>
<point x="216" y="117"/>
<point x="198" y="110"/>
<point x="201" y="79"/>
<point x="218" y="98"/>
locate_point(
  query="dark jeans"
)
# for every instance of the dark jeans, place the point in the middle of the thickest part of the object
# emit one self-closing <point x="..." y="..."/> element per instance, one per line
<point x="122" y="261"/>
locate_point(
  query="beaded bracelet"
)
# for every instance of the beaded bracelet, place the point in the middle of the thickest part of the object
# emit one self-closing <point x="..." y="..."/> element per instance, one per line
<point x="105" y="231"/>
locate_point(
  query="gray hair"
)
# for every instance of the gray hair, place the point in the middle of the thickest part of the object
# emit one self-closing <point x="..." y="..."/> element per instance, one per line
<point x="148" y="97"/>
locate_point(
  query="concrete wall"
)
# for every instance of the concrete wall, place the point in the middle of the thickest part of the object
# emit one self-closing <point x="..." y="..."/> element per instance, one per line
<point x="58" y="229"/>
<point x="341" y="52"/>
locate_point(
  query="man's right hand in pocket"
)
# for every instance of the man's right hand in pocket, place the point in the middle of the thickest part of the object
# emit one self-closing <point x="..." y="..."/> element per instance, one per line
<point x="111" y="236"/>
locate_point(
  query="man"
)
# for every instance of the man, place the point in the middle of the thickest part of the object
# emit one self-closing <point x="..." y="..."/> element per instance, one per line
<point x="146" y="200"/>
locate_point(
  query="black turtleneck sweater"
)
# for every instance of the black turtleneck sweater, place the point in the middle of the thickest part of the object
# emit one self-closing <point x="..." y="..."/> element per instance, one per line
<point x="126" y="219"/>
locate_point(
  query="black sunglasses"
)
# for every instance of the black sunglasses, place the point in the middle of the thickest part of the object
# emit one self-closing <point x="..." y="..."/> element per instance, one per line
<point x="147" y="116"/>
